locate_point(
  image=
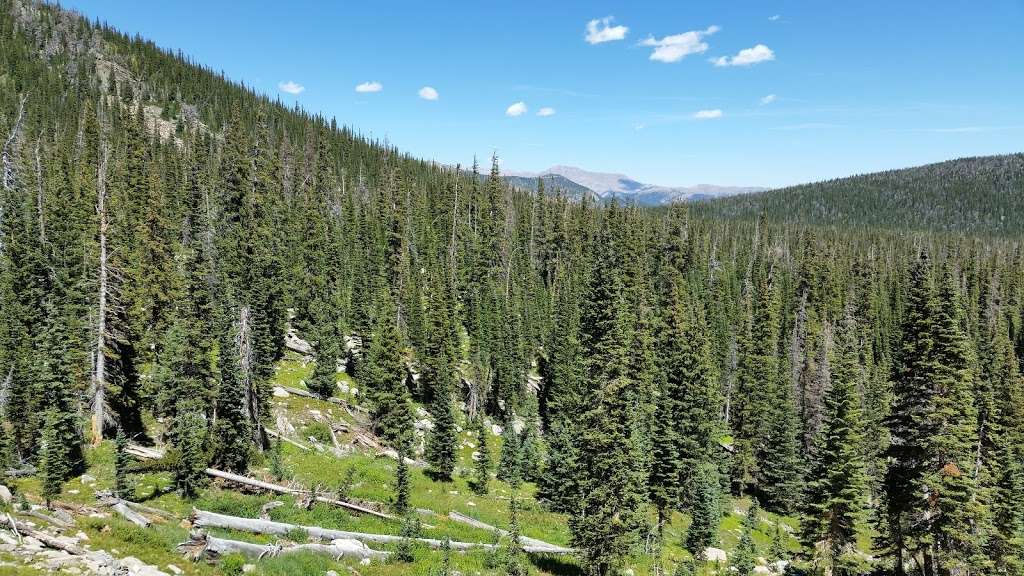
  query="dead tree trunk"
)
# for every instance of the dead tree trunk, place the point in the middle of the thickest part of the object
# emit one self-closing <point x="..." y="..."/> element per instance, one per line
<point x="201" y="544"/>
<point x="254" y="483"/>
<point x="23" y="529"/>
<point x="245" y="355"/>
<point x="524" y="540"/>
<point x="99" y="376"/>
<point x="202" y="518"/>
<point x="9" y="176"/>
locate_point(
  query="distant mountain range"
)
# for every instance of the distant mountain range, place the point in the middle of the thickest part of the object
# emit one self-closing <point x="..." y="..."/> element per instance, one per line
<point x="605" y="186"/>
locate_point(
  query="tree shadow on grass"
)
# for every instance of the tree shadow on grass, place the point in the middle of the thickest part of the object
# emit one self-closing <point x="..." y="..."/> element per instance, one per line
<point x="561" y="565"/>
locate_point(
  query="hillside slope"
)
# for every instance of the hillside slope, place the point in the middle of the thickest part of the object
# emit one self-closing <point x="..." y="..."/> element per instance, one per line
<point x="168" y="238"/>
<point x="979" y="196"/>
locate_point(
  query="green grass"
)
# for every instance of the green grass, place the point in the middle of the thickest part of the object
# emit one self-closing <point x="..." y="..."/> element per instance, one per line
<point x="365" y="477"/>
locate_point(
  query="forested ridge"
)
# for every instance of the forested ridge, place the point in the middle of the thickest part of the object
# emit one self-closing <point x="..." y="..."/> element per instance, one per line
<point x="976" y="196"/>
<point x="833" y="352"/>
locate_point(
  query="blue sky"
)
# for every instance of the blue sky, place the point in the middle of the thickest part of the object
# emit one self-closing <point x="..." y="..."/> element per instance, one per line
<point x="809" y="90"/>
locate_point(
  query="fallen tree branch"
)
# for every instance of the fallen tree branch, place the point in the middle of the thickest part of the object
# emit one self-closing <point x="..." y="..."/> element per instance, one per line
<point x="284" y="438"/>
<point x="246" y="481"/>
<point x="23" y="529"/>
<point x="202" y="518"/>
<point x="201" y="544"/>
<point x="130" y="515"/>
<point x="141" y="452"/>
<point x="524" y="540"/>
<point x="44" y="517"/>
<point x="332" y="399"/>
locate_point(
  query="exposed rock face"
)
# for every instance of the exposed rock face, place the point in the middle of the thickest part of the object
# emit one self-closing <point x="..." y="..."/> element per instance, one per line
<point x="715" y="555"/>
<point x="296" y="344"/>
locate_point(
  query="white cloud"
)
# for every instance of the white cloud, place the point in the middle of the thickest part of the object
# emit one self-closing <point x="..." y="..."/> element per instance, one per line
<point x="367" y="87"/>
<point x="678" y="46"/>
<point x="546" y="111"/>
<point x="774" y="18"/>
<point x="746" y="57"/>
<point x="707" y="114"/>
<point x="517" y="109"/>
<point x="769" y="99"/>
<point x="428" y="93"/>
<point x="291" y="87"/>
<point x="601" y="30"/>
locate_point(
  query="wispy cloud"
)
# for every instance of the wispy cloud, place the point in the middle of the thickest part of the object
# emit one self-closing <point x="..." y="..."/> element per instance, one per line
<point x="517" y="109"/>
<point x="765" y="100"/>
<point x="546" y="111"/>
<point x="678" y="46"/>
<point x="746" y="57"/>
<point x="291" y="87"/>
<point x="774" y="17"/>
<point x="428" y="93"/>
<point x="601" y="30"/>
<point x="708" y="114"/>
<point x="369" y="87"/>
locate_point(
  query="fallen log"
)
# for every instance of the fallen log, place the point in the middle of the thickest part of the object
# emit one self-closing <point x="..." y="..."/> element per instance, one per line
<point x="144" y="452"/>
<point x="201" y="544"/>
<point x="130" y="515"/>
<point x="141" y="452"/>
<point x="202" y="518"/>
<point x="149" y="510"/>
<point x="277" y="488"/>
<point x="524" y="540"/>
<point x="22" y="529"/>
<point x="44" y="517"/>
<point x="284" y="438"/>
<point x="332" y="400"/>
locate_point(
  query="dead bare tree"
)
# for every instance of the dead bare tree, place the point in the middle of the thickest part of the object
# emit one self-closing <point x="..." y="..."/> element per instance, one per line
<point x="243" y="340"/>
<point x="99" y="374"/>
<point x="9" y="175"/>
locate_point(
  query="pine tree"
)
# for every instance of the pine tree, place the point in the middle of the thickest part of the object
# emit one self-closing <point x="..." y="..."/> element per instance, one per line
<point x="835" y="502"/>
<point x="404" y="551"/>
<point x="705" y="512"/>
<point x="278" y="469"/>
<point x="901" y="527"/>
<point x="778" y="550"/>
<point x="122" y="462"/>
<point x="955" y="510"/>
<point x="560" y="401"/>
<point x="445" y="569"/>
<point x="324" y="380"/>
<point x="441" y="443"/>
<point x="777" y="434"/>
<point x="609" y="518"/>
<point x="53" y="463"/>
<point x="510" y="463"/>
<point x="933" y="425"/>
<point x="482" y="466"/>
<point x="402" y="485"/>
<point x="231" y="430"/>
<point x="745" y="555"/>
<point x="384" y="379"/>
<point x="1001" y="443"/>
<point x="684" y="568"/>
<point x="688" y="409"/>
<point x="531" y="451"/>
<point x="190" y="471"/>
<point x="513" y="554"/>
